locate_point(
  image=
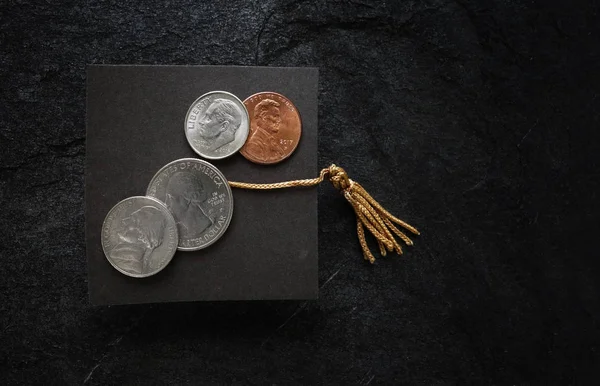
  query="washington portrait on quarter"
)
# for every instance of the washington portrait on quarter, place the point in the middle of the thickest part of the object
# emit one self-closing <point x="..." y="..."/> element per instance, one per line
<point x="198" y="196"/>
<point x="217" y="125"/>
<point x="139" y="236"/>
<point x="185" y="198"/>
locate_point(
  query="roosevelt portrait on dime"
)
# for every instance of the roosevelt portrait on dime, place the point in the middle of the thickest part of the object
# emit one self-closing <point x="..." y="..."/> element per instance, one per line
<point x="140" y="234"/>
<point x="219" y="123"/>
<point x="184" y="197"/>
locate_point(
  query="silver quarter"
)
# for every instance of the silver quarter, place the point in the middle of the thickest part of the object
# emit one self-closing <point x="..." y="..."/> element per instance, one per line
<point x="198" y="196"/>
<point x="139" y="236"/>
<point x="217" y="125"/>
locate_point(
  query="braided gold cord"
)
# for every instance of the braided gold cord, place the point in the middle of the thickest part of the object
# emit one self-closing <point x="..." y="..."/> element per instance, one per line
<point x="382" y="227"/>
<point x="369" y="213"/>
<point x="281" y="185"/>
<point x="382" y="249"/>
<point x="368" y="220"/>
<point x="363" y="242"/>
<point x="398" y="232"/>
<point x="387" y="214"/>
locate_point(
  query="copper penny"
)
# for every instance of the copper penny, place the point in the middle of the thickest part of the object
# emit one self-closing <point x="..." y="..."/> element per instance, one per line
<point x="275" y="128"/>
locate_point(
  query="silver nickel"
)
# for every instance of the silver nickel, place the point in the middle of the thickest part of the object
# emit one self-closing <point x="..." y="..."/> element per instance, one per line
<point x="217" y="125"/>
<point x="198" y="196"/>
<point x="139" y="236"/>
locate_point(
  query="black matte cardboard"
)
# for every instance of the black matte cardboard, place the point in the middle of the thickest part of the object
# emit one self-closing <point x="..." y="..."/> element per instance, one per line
<point x="135" y="125"/>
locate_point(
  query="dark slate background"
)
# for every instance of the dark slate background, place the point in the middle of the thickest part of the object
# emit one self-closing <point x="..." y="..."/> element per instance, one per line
<point x="475" y="121"/>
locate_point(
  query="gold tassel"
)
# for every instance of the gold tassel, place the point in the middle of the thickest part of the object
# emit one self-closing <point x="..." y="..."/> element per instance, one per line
<point x="369" y="213"/>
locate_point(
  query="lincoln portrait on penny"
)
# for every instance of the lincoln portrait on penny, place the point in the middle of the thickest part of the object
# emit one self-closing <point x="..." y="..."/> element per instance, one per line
<point x="185" y="196"/>
<point x="262" y="143"/>
<point x="219" y="123"/>
<point x="140" y="234"/>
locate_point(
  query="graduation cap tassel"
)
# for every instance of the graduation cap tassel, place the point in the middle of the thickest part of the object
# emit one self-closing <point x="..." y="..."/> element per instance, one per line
<point x="369" y="213"/>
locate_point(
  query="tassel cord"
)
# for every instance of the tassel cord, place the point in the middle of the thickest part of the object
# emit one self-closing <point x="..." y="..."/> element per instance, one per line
<point x="369" y="213"/>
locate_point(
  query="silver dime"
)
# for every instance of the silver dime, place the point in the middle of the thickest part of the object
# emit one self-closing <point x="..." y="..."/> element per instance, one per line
<point x="217" y="125"/>
<point x="139" y="236"/>
<point x="198" y="196"/>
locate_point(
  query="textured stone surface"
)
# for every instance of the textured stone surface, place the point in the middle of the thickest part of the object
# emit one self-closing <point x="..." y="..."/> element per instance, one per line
<point x="475" y="121"/>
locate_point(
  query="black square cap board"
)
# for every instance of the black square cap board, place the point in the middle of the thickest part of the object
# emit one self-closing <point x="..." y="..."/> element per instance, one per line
<point x="135" y="125"/>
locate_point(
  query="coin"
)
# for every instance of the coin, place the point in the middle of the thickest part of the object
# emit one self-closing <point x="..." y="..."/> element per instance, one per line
<point x="275" y="128"/>
<point x="216" y="125"/>
<point x="198" y="196"/>
<point x="139" y="236"/>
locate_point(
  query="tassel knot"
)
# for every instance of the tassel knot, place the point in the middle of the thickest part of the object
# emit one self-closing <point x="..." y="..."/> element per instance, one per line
<point x="338" y="177"/>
